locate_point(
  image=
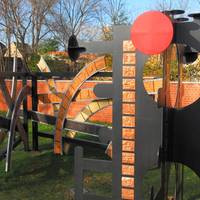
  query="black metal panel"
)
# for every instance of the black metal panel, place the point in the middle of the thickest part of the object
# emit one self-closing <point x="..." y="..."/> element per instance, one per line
<point x="98" y="47"/>
<point x="188" y="33"/>
<point x="103" y="132"/>
<point x="47" y="75"/>
<point x="184" y="136"/>
<point x="78" y="173"/>
<point x="148" y="129"/>
<point x="105" y="135"/>
<point x="82" y="164"/>
<point x="76" y="141"/>
<point x="97" y="165"/>
<point x="104" y="91"/>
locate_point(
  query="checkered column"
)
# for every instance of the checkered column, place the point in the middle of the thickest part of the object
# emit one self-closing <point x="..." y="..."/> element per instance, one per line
<point x="128" y="121"/>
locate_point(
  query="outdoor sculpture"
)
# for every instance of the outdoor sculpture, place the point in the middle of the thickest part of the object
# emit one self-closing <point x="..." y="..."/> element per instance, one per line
<point x="144" y="134"/>
<point x="162" y="134"/>
<point x="179" y="143"/>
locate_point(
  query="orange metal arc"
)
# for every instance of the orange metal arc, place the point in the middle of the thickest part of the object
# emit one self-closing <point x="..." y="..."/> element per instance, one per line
<point x="88" y="71"/>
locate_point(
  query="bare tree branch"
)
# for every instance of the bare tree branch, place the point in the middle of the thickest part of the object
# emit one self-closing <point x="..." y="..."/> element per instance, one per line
<point x="171" y="4"/>
<point x="70" y="16"/>
<point x="112" y="12"/>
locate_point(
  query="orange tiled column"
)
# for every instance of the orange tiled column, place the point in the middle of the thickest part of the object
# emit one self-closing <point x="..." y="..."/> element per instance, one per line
<point x="128" y="121"/>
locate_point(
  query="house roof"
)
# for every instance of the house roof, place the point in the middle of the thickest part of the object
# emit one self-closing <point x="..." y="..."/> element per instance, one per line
<point x="18" y="50"/>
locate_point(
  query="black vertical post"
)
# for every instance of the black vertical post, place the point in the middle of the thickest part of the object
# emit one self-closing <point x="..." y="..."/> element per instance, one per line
<point x="117" y="114"/>
<point x="25" y="113"/>
<point x="78" y="167"/>
<point x="34" y="108"/>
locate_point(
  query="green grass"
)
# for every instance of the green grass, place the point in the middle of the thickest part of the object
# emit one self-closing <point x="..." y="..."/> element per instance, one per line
<point x="43" y="175"/>
<point x="191" y="183"/>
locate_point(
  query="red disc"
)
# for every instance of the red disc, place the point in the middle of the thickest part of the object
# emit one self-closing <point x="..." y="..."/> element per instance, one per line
<point x="152" y="32"/>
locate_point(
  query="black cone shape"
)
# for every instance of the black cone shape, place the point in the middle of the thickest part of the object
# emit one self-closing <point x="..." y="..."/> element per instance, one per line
<point x="74" y="50"/>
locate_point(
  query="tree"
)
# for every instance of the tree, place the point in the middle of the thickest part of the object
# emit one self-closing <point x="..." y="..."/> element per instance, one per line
<point x="40" y="11"/>
<point x="70" y="16"/>
<point x="25" y="20"/>
<point x="112" y="12"/>
<point x="18" y="21"/>
<point x="48" y="45"/>
<point x="171" y="4"/>
<point x="5" y="22"/>
<point x="116" y="12"/>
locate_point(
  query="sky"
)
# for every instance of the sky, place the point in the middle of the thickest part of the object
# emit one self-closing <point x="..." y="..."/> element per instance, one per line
<point x="139" y="6"/>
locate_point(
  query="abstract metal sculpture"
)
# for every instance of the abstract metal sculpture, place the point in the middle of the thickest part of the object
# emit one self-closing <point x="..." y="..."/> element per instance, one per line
<point x="144" y="134"/>
<point x="178" y="143"/>
<point x="160" y="134"/>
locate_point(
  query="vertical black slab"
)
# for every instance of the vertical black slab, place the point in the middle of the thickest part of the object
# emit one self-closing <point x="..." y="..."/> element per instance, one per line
<point x="25" y="111"/>
<point x="184" y="136"/>
<point x="34" y="108"/>
<point x="148" y="129"/>
<point x="78" y="170"/>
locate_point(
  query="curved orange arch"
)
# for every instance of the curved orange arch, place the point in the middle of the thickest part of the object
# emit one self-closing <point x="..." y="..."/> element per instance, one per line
<point x="89" y="70"/>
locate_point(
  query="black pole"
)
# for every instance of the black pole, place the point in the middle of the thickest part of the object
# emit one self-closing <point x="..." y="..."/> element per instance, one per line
<point x="34" y="108"/>
<point x="25" y="114"/>
<point x="165" y="167"/>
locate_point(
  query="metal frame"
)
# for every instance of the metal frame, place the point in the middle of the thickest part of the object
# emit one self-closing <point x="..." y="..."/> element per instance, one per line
<point x="114" y="47"/>
<point x="97" y="131"/>
<point x="148" y="129"/>
<point x="154" y="125"/>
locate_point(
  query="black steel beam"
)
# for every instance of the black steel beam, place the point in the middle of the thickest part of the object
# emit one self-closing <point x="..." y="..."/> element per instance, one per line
<point x="25" y="113"/>
<point x="88" y="128"/>
<point x="76" y="141"/>
<point x="34" y="108"/>
<point x="47" y="75"/>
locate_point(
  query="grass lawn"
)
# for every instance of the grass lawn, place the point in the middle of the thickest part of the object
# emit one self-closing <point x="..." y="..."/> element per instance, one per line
<point x="43" y="175"/>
